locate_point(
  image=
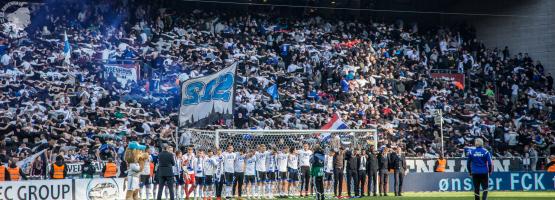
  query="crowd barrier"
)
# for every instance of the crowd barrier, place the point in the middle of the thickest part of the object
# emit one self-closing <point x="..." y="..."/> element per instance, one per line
<point x="415" y="165"/>
<point x="459" y="181"/>
<point x="419" y="165"/>
<point x="67" y="189"/>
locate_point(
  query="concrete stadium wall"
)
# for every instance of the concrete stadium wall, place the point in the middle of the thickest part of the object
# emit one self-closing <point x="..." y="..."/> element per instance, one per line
<point x="531" y="30"/>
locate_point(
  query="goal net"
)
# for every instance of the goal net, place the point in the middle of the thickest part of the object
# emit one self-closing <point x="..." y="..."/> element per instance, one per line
<point x="250" y="139"/>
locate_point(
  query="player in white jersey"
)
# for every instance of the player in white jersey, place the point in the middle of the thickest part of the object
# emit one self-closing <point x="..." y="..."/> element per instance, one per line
<point x="271" y="176"/>
<point x="178" y="173"/>
<point x="239" y="174"/>
<point x="328" y="171"/>
<point x="261" y="169"/>
<point x="292" y="170"/>
<point x="199" y="174"/>
<point x="304" y="163"/>
<point x="250" y="173"/>
<point x="229" y="168"/>
<point x="210" y="165"/>
<point x="281" y="160"/>
<point x="189" y="161"/>
<point x="147" y="174"/>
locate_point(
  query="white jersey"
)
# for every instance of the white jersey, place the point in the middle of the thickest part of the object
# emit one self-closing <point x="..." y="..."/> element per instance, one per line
<point x="229" y="161"/>
<point x="240" y="163"/>
<point x="250" y="166"/>
<point x="261" y="161"/>
<point x="146" y="170"/>
<point x="190" y="160"/>
<point x="210" y="165"/>
<point x="177" y="169"/>
<point x="199" y="167"/>
<point x="293" y="161"/>
<point x="271" y="163"/>
<point x="282" y="161"/>
<point x="328" y="164"/>
<point x="219" y="167"/>
<point x="304" y="157"/>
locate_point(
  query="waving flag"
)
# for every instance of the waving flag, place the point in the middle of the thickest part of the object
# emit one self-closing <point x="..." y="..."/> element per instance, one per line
<point x="335" y="123"/>
<point x="273" y="91"/>
<point x="67" y="47"/>
<point x="26" y="163"/>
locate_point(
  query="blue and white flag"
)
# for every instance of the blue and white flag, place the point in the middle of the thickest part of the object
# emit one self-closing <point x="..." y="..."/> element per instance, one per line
<point x="26" y="163"/>
<point x="67" y="47"/>
<point x="207" y="99"/>
<point x="273" y="91"/>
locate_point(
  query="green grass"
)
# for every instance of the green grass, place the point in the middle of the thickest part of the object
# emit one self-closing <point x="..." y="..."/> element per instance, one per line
<point x="462" y="196"/>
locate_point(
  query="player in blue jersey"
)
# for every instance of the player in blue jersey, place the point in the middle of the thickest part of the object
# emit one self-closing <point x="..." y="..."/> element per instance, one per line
<point x="479" y="167"/>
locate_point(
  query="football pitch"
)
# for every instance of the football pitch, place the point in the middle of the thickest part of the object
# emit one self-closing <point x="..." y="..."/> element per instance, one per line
<point x="462" y="196"/>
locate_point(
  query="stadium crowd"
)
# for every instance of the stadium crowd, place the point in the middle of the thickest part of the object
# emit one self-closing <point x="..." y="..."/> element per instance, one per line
<point x="369" y="72"/>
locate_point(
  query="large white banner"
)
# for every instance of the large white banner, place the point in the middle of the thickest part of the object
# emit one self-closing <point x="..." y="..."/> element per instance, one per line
<point x="67" y="189"/>
<point x="123" y="73"/>
<point x="207" y="99"/>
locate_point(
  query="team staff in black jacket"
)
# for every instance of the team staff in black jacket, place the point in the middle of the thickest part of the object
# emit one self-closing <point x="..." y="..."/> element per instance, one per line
<point x="383" y="167"/>
<point x="399" y="165"/>
<point x="372" y="170"/>
<point x="353" y="162"/>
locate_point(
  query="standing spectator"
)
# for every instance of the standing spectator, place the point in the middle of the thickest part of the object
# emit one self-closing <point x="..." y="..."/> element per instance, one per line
<point x="88" y="169"/>
<point x="338" y="167"/>
<point x="317" y="162"/>
<point x="533" y="157"/>
<point x="110" y="170"/>
<point x="399" y="168"/>
<point x="383" y="167"/>
<point x="4" y="174"/>
<point x="165" y="173"/>
<point x="15" y="173"/>
<point x="440" y="164"/>
<point x="362" y="171"/>
<point x="353" y="162"/>
<point x="58" y="169"/>
<point x="550" y="167"/>
<point x="372" y="170"/>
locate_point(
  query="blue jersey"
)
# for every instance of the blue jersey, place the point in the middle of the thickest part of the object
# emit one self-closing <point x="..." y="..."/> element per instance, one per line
<point x="479" y="161"/>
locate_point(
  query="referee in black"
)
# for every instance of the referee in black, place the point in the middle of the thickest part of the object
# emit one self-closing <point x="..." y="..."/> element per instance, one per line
<point x="479" y="167"/>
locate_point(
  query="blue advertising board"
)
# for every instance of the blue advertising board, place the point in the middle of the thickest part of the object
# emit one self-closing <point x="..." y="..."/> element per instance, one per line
<point x="458" y="181"/>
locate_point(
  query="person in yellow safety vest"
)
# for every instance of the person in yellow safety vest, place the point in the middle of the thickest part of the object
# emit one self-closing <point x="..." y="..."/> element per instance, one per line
<point x="550" y="167"/>
<point x="110" y="170"/>
<point x="58" y="169"/>
<point x="15" y="173"/>
<point x="441" y="163"/>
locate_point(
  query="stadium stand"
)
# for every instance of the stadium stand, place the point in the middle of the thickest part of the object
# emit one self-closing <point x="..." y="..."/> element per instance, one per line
<point x="368" y="72"/>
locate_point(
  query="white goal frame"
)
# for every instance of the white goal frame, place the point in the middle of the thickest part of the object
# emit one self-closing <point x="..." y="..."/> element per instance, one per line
<point x="216" y="135"/>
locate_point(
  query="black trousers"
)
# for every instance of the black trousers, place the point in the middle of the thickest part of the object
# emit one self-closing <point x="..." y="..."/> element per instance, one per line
<point x="362" y="181"/>
<point x="352" y="180"/>
<point x="480" y="180"/>
<point x="399" y="176"/>
<point x="168" y="181"/>
<point x="220" y="186"/>
<point x="305" y="178"/>
<point x="384" y="177"/>
<point x="319" y="184"/>
<point x="338" y="181"/>
<point x="372" y="178"/>
<point x="238" y="183"/>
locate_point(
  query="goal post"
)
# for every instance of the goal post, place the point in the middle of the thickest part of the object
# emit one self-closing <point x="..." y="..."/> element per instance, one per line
<point x="249" y="139"/>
